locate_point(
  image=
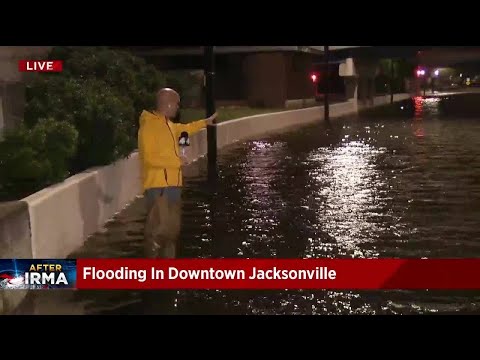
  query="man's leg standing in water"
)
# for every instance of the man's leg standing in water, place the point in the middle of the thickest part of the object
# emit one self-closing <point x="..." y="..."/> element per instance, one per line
<point x="162" y="227"/>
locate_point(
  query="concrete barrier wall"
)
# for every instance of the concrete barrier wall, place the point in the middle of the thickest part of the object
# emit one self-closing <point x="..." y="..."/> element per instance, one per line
<point x="15" y="230"/>
<point x="15" y="243"/>
<point x="63" y="215"/>
<point x="236" y="130"/>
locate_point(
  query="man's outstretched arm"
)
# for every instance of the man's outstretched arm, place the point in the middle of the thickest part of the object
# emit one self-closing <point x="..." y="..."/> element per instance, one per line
<point x="196" y="126"/>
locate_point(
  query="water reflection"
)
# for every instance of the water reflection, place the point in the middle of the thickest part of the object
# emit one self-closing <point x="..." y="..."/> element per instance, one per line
<point x="261" y="201"/>
<point x="350" y="191"/>
<point x="431" y="106"/>
<point x="418" y="107"/>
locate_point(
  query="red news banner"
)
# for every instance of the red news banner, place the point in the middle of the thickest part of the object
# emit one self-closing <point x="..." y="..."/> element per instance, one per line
<point x="348" y="274"/>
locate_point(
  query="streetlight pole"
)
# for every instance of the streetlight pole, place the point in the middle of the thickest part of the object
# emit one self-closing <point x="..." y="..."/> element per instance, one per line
<point x="326" y="105"/>
<point x="209" y="71"/>
<point x="391" y="81"/>
<point x="209" y="80"/>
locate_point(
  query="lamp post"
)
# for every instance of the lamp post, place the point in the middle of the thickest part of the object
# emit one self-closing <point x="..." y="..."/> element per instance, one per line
<point x="326" y="105"/>
<point x="209" y="71"/>
<point x="209" y="80"/>
<point x="391" y="81"/>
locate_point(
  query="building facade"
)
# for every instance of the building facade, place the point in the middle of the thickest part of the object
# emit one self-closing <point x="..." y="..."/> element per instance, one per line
<point x="260" y="76"/>
<point x="12" y="82"/>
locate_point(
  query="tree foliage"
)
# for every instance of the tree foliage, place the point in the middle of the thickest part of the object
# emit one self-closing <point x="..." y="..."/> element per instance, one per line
<point x="31" y="158"/>
<point x="85" y="116"/>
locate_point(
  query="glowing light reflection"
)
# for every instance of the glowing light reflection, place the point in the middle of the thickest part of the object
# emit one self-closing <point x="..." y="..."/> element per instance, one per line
<point x="350" y="184"/>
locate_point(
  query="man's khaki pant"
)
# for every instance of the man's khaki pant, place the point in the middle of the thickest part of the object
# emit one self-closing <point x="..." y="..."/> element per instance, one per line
<point x="162" y="227"/>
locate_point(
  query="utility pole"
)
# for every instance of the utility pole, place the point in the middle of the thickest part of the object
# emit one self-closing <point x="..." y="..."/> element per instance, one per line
<point x="209" y="71"/>
<point x="391" y="81"/>
<point x="326" y="105"/>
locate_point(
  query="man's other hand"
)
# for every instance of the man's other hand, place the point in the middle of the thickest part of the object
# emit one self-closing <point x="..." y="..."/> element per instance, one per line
<point x="212" y="119"/>
<point x="184" y="160"/>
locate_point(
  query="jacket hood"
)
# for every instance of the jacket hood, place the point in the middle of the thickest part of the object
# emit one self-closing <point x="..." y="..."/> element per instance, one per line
<point x="147" y="116"/>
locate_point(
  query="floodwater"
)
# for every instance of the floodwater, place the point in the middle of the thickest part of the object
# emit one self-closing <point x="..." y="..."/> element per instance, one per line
<point x="402" y="184"/>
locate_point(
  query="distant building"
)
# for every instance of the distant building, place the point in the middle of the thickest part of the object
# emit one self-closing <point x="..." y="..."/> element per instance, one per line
<point x="12" y="86"/>
<point x="262" y="76"/>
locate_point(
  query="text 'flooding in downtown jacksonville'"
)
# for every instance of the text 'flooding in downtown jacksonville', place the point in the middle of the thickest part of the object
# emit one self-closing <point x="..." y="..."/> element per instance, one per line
<point x="173" y="273"/>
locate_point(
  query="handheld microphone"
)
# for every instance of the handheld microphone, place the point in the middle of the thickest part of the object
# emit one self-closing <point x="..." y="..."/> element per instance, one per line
<point x="184" y="141"/>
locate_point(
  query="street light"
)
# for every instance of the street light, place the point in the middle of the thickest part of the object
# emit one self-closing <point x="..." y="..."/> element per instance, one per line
<point x="437" y="72"/>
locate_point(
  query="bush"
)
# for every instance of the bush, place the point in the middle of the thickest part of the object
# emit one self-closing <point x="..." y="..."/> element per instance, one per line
<point x="31" y="159"/>
<point x="105" y="121"/>
<point x="95" y="103"/>
<point x="128" y="75"/>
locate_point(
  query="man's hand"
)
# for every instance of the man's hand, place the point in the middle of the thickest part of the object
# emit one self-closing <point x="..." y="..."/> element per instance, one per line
<point x="212" y="119"/>
<point x="184" y="160"/>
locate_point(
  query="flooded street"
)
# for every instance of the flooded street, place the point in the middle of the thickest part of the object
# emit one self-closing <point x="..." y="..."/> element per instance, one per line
<point x="404" y="184"/>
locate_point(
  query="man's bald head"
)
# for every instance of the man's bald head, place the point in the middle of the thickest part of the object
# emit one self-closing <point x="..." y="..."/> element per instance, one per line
<point x="168" y="102"/>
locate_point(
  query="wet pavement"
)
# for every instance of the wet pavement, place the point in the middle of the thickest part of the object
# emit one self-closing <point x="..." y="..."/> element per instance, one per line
<point x="402" y="185"/>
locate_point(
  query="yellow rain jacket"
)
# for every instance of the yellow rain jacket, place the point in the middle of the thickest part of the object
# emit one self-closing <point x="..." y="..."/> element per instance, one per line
<point x="159" y="150"/>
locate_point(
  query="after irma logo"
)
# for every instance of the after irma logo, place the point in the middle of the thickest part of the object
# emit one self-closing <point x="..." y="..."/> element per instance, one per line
<point x="37" y="274"/>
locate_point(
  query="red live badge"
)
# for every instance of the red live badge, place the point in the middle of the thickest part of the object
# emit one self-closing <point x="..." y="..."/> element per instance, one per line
<point x="40" y="65"/>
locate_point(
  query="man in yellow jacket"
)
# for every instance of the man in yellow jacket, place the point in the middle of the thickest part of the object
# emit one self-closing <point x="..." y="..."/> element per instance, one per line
<point x="158" y="144"/>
